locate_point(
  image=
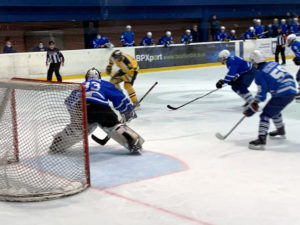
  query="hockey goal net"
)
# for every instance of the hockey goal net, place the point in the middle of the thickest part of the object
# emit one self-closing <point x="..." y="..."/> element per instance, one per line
<point x="32" y="114"/>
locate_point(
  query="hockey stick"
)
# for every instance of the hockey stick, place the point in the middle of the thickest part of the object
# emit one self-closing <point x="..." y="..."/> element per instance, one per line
<point x="106" y="139"/>
<point x="175" y="108"/>
<point x="221" y="137"/>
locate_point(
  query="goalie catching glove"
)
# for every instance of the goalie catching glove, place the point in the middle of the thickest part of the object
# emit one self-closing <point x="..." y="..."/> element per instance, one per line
<point x="129" y="114"/>
<point x="251" y="109"/>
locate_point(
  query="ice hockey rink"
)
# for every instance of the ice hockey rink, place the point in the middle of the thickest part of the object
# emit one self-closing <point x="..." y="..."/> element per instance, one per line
<point x="185" y="174"/>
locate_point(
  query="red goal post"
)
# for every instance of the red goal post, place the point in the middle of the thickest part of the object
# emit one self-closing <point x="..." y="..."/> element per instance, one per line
<point x="32" y="114"/>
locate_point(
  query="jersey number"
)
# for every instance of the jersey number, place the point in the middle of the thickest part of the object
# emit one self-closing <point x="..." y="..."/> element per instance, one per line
<point x="278" y="73"/>
<point x="93" y="86"/>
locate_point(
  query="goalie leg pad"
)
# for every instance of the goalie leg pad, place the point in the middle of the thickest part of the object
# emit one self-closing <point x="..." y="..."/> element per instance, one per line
<point x="126" y="137"/>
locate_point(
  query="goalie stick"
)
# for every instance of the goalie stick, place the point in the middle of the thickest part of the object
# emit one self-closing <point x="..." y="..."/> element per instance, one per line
<point x="107" y="138"/>
<point x="221" y="137"/>
<point x="175" y="108"/>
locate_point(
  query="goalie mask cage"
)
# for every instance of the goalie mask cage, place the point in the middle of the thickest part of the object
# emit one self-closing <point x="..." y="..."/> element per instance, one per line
<point x="32" y="114"/>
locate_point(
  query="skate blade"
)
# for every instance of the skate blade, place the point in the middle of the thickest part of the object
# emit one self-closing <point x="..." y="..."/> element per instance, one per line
<point x="254" y="147"/>
<point x="279" y="137"/>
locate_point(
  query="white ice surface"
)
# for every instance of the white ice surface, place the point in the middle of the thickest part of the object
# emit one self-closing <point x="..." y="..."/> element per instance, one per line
<point x="225" y="183"/>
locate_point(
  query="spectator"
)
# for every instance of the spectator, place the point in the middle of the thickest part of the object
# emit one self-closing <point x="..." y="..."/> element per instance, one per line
<point x="214" y="27"/>
<point x="283" y="26"/>
<point x="222" y="35"/>
<point x="232" y="36"/>
<point x="275" y="26"/>
<point x="147" y="40"/>
<point x="8" y="47"/>
<point x="249" y="34"/>
<point x="55" y="58"/>
<point x="280" y="46"/>
<point x="195" y="33"/>
<point x="40" y="48"/>
<point x="269" y="34"/>
<point x="289" y="19"/>
<point x="294" y="27"/>
<point x="127" y="38"/>
<point x="101" y="42"/>
<point x="186" y="38"/>
<point x="259" y="29"/>
<point x="166" y="40"/>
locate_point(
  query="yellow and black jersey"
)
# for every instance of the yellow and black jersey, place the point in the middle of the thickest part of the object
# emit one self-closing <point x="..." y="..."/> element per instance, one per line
<point x="127" y="64"/>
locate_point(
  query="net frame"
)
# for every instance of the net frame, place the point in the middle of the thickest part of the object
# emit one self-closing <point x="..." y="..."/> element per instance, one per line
<point x="25" y="84"/>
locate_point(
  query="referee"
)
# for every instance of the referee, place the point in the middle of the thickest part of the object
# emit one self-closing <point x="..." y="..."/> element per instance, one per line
<point x="280" y="46"/>
<point x="55" y="58"/>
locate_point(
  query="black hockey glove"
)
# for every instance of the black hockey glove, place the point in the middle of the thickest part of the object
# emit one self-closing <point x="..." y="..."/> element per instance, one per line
<point x="251" y="109"/>
<point x="108" y="69"/>
<point x="296" y="61"/>
<point x="220" y="83"/>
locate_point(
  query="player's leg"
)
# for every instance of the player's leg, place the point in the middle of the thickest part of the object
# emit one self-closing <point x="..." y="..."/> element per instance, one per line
<point x="117" y="79"/>
<point x="50" y="71"/>
<point x="283" y="55"/>
<point x="298" y="81"/>
<point x="121" y="133"/>
<point x="131" y="92"/>
<point x="57" y="74"/>
<point x="280" y="131"/>
<point x="277" y="53"/>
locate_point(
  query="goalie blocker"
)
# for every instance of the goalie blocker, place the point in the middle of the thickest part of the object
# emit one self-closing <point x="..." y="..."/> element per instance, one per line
<point x="99" y="113"/>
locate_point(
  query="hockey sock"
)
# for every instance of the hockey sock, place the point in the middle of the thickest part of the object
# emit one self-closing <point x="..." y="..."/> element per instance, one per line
<point x="264" y="126"/>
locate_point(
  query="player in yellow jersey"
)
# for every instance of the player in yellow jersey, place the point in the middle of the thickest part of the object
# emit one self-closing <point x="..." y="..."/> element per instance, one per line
<point x="127" y="73"/>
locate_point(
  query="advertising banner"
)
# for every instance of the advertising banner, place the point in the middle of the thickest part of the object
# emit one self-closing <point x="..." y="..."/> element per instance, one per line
<point x="156" y="57"/>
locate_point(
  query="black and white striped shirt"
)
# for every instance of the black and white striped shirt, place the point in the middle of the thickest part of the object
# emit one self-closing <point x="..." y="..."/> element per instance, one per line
<point x="280" y="39"/>
<point x="54" y="56"/>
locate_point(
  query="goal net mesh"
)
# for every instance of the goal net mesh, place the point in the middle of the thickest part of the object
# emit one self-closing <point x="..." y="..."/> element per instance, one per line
<point x="32" y="115"/>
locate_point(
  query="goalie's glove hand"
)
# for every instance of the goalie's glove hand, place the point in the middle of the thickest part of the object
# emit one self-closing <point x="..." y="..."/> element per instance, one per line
<point x="220" y="83"/>
<point x="296" y="61"/>
<point x="251" y="109"/>
<point x="108" y="69"/>
<point x="129" y="114"/>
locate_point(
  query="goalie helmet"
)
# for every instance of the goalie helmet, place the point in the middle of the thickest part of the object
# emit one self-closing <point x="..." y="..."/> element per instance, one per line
<point x="92" y="74"/>
<point x="223" y="55"/>
<point x="117" y="54"/>
<point x="290" y="39"/>
<point x="257" y="57"/>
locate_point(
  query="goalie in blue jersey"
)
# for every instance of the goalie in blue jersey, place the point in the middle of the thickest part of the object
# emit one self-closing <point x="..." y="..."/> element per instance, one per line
<point x="272" y="78"/>
<point x="240" y="75"/>
<point x="99" y="113"/>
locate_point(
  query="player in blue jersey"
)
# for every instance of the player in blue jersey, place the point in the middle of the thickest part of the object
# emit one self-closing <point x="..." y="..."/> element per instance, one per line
<point x="259" y="29"/>
<point x="272" y="78"/>
<point x="249" y="34"/>
<point x="101" y="42"/>
<point x="222" y="35"/>
<point x="166" y="40"/>
<point x="294" y="27"/>
<point x="127" y="38"/>
<point x="232" y="36"/>
<point x="240" y="75"/>
<point x="147" y="40"/>
<point x="283" y="26"/>
<point x="186" y="38"/>
<point x="295" y="46"/>
<point x="99" y="113"/>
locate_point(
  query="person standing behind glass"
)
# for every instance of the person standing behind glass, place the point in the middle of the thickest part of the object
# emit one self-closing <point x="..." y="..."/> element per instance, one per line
<point x="280" y="46"/>
<point x="40" y="48"/>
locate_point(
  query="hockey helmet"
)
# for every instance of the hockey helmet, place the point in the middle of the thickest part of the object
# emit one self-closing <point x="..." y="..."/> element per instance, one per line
<point x="251" y="29"/>
<point x="117" y="54"/>
<point x="290" y="39"/>
<point x="168" y="33"/>
<point x="222" y="28"/>
<point x="149" y="34"/>
<point x="92" y="74"/>
<point x="223" y="56"/>
<point x="188" y="31"/>
<point x="232" y="31"/>
<point x="257" y="57"/>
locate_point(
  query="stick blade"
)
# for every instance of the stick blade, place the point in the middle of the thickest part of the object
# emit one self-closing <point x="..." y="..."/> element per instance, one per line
<point x="171" y="107"/>
<point x="220" y="136"/>
<point x="100" y="141"/>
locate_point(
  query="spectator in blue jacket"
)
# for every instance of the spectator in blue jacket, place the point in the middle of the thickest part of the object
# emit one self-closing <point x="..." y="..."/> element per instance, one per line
<point x="166" y="40"/>
<point x="40" y="47"/>
<point x="100" y="41"/>
<point x="283" y="26"/>
<point x="294" y="27"/>
<point x="275" y="26"/>
<point x="147" y="40"/>
<point x="186" y="38"/>
<point x="8" y="47"/>
<point x="127" y="38"/>
<point x="222" y="35"/>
